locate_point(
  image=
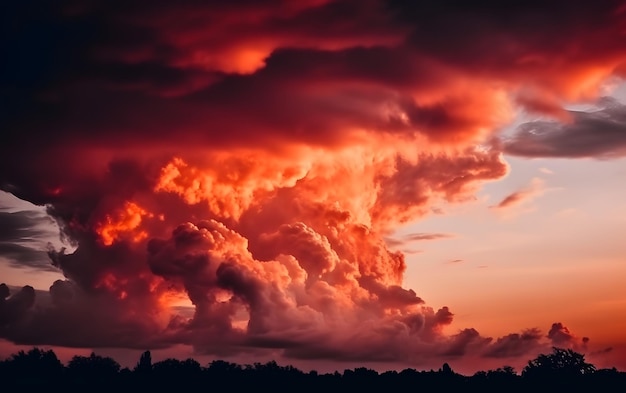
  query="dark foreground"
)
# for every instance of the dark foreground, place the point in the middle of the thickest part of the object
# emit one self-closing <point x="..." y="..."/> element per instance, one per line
<point x="37" y="370"/>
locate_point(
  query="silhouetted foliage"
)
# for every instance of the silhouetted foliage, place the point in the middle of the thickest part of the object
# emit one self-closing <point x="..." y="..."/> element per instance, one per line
<point x="144" y="365"/>
<point x="33" y="368"/>
<point x="446" y="369"/>
<point x="38" y="369"/>
<point x="92" y="368"/>
<point x="563" y="369"/>
<point x="564" y="363"/>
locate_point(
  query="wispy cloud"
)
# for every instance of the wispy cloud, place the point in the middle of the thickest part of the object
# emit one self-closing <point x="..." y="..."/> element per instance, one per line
<point x="416" y="237"/>
<point x="24" y="238"/>
<point x="600" y="133"/>
<point x="546" y="171"/>
<point x="525" y="195"/>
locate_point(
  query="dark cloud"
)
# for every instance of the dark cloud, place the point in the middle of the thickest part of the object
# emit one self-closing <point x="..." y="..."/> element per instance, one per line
<point x="25" y="225"/>
<point x="124" y="70"/>
<point x="24" y="236"/>
<point x="516" y="39"/>
<point x="600" y="134"/>
<point x="561" y="337"/>
<point x="13" y="308"/>
<point x="516" y="344"/>
<point x="24" y="256"/>
<point x="603" y="351"/>
<point x="467" y="340"/>
<point x="76" y="319"/>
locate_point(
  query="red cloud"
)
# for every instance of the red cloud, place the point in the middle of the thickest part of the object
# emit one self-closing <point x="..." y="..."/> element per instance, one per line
<point x="253" y="158"/>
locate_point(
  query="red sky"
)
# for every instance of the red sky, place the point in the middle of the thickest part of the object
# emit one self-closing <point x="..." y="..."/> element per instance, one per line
<point x="237" y="178"/>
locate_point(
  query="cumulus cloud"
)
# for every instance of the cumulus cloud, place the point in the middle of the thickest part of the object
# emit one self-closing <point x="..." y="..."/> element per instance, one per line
<point x="76" y="319"/>
<point x="560" y="336"/>
<point x="532" y="341"/>
<point x="253" y="158"/>
<point x="466" y="341"/>
<point x="516" y="344"/>
<point x="14" y="307"/>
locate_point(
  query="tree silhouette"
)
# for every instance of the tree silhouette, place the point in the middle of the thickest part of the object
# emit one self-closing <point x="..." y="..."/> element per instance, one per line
<point x="144" y="365"/>
<point x="224" y="368"/>
<point x="175" y="374"/>
<point x="446" y="369"/>
<point x="35" y="367"/>
<point x="92" y="368"/>
<point x="175" y="367"/>
<point x="561" y="363"/>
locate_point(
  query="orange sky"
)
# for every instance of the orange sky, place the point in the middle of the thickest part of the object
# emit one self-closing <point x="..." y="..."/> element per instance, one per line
<point x="330" y="183"/>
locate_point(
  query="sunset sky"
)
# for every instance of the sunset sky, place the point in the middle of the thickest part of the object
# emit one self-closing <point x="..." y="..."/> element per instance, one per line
<point x="325" y="183"/>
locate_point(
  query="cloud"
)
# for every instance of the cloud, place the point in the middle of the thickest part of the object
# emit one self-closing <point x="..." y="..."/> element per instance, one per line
<point x="254" y="158"/>
<point x="530" y="341"/>
<point x="416" y="237"/>
<point x="427" y="236"/>
<point x="525" y="195"/>
<point x="600" y="134"/>
<point x="24" y="238"/>
<point x="467" y="340"/>
<point x="14" y="307"/>
<point x="561" y="337"/>
<point x="77" y="319"/>
<point x="543" y="104"/>
<point x="516" y="344"/>
<point x="546" y="171"/>
<point x="603" y="351"/>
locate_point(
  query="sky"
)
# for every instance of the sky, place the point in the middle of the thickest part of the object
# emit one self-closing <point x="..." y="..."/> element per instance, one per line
<point x="325" y="183"/>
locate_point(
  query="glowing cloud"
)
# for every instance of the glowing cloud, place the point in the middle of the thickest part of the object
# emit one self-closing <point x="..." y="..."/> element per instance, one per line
<point x="254" y="157"/>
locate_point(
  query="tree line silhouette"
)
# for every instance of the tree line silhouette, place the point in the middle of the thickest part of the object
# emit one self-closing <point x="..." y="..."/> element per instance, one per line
<point x="38" y="369"/>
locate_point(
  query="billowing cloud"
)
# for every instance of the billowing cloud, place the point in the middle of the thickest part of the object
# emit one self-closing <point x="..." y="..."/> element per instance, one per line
<point x="14" y="307"/>
<point x="516" y="344"/>
<point x="252" y="158"/>
<point x="560" y="336"/>
<point x="531" y="341"/>
<point x="74" y="318"/>
<point x="466" y="341"/>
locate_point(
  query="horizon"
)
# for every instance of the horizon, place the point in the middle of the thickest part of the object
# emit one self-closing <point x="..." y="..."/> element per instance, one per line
<point x="445" y="367"/>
